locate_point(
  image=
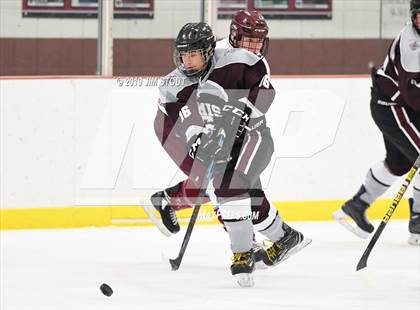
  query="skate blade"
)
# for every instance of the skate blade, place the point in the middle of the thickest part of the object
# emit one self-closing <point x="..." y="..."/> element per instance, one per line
<point x="244" y="279"/>
<point x="342" y="218"/>
<point x="151" y="212"/>
<point x="260" y="265"/>
<point x="414" y="239"/>
<point x="305" y="242"/>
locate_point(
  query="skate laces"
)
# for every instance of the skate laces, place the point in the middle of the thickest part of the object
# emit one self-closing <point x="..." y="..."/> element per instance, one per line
<point x="173" y="217"/>
<point x="241" y="258"/>
<point x="275" y="250"/>
<point x="280" y="247"/>
<point x="171" y="212"/>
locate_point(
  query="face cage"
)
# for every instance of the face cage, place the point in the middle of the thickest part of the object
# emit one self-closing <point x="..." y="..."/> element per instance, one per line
<point x="234" y="40"/>
<point x="205" y="53"/>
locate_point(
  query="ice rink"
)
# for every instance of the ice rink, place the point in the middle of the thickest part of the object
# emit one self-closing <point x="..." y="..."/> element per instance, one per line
<point x="63" y="269"/>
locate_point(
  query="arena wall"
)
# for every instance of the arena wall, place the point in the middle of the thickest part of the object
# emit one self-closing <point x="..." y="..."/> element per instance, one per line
<point x="357" y="35"/>
<point x="81" y="151"/>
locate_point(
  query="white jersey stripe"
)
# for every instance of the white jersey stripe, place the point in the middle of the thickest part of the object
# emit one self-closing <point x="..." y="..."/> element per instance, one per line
<point x="410" y="123"/>
<point x="395" y="96"/>
<point x="242" y="152"/>
<point x="253" y="152"/>
<point x="267" y="67"/>
<point x="394" y="111"/>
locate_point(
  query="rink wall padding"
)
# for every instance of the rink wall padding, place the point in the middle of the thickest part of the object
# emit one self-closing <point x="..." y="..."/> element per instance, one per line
<point x="78" y="217"/>
<point x="81" y="151"/>
<point x="71" y="56"/>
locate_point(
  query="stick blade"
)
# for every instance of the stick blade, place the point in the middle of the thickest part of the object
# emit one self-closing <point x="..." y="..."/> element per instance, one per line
<point x="362" y="263"/>
<point x="175" y="263"/>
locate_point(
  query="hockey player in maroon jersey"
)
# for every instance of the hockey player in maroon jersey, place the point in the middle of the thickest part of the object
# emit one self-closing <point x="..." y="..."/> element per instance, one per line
<point x="395" y="108"/>
<point x="218" y="88"/>
<point x="248" y="30"/>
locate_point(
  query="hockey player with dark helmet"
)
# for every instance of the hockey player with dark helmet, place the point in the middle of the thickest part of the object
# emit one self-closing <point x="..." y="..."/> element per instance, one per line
<point x="248" y="29"/>
<point x="395" y="109"/>
<point x="415" y="14"/>
<point x="229" y="91"/>
<point x="194" y="48"/>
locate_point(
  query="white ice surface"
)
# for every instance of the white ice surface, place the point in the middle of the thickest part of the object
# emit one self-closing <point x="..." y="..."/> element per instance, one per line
<point x="63" y="269"/>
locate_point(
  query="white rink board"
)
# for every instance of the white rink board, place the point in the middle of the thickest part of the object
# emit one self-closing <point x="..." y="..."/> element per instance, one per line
<point x="67" y="142"/>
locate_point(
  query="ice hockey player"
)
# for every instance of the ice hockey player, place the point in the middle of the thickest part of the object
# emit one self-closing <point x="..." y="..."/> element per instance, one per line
<point x="229" y="90"/>
<point x="248" y="30"/>
<point x="395" y="108"/>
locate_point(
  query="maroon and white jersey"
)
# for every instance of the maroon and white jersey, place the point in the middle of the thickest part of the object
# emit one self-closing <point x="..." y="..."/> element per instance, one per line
<point x="223" y="44"/>
<point x="399" y="77"/>
<point x="234" y="75"/>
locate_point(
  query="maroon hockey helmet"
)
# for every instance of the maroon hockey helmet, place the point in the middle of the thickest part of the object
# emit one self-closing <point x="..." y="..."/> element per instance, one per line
<point x="414" y="10"/>
<point x="249" y="24"/>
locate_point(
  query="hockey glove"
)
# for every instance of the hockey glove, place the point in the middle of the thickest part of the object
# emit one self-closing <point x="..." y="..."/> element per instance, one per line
<point x="236" y="118"/>
<point x="205" y="148"/>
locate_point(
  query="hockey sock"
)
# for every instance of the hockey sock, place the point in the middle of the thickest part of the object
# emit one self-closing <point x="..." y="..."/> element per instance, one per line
<point x="274" y="231"/>
<point x="377" y="181"/>
<point x="236" y="216"/>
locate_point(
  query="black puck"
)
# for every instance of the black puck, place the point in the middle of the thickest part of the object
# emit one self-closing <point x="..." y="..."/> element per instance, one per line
<point x="106" y="289"/>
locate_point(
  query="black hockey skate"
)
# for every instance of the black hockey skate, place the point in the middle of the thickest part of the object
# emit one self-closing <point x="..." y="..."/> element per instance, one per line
<point x="413" y="225"/>
<point x="291" y="243"/>
<point x="355" y="209"/>
<point x="168" y="222"/>
<point x="259" y="252"/>
<point x="243" y="265"/>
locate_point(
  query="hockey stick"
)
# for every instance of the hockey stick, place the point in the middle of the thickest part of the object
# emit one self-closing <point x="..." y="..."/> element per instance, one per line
<point x="176" y="262"/>
<point x="411" y="174"/>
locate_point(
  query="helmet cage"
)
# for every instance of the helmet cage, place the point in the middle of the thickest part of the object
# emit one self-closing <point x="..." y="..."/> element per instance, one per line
<point x="194" y="37"/>
<point x="236" y="41"/>
<point x="206" y="53"/>
<point x="250" y="24"/>
<point x="414" y="10"/>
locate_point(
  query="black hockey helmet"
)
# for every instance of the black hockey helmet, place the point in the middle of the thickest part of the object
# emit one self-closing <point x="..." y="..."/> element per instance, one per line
<point x="414" y="10"/>
<point x="197" y="37"/>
